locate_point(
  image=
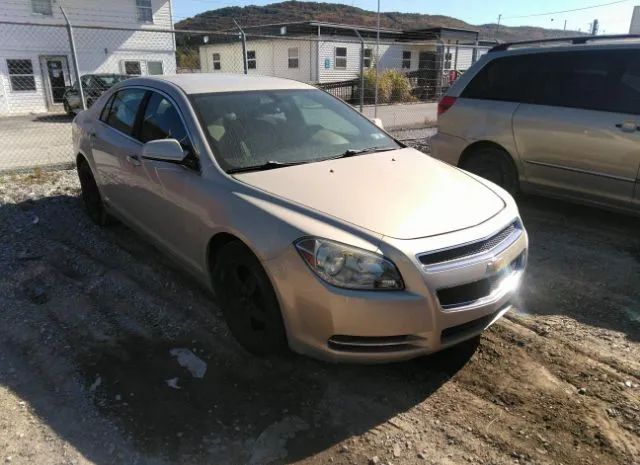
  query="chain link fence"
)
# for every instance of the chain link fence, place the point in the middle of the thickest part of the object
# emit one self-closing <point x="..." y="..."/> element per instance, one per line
<point x="40" y="91"/>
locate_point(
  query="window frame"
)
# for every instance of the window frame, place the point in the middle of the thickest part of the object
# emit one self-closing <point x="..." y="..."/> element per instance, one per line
<point x="295" y="58"/>
<point x="31" y="75"/>
<point x="252" y="61"/>
<point x="336" y="57"/>
<point x="49" y="11"/>
<point x="406" y="61"/>
<point x="144" y="13"/>
<point x="215" y="62"/>
<point x="136" y="121"/>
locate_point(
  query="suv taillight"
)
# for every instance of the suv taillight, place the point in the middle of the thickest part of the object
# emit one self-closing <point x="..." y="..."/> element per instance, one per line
<point x="445" y="103"/>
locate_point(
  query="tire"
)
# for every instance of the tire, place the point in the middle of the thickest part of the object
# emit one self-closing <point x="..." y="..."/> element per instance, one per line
<point x="67" y="108"/>
<point x="495" y="165"/>
<point x="248" y="301"/>
<point x="91" y="196"/>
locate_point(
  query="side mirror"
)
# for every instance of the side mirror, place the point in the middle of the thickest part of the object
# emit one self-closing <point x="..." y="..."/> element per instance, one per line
<point x="378" y="122"/>
<point x="163" y="150"/>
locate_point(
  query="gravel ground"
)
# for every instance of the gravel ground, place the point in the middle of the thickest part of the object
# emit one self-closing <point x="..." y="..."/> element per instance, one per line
<point x="90" y="317"/>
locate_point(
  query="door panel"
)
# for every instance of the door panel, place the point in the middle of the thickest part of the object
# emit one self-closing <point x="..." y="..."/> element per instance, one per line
<point x="116" y="153"/>
<point x="577" y="150"/>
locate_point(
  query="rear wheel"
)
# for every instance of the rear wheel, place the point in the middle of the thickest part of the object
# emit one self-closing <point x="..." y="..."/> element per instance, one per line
<point x="248" y="300"/>
<point x="495" y="165"/>
<point x="91" y="195"/>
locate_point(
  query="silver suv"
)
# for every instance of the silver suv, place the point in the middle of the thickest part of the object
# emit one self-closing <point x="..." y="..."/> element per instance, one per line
<point x="560" y="118"/>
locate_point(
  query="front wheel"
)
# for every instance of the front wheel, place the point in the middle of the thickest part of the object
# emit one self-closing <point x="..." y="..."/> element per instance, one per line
<point x="248" y="300"/>
<point x="67" y="108"/>
<point x="495" y="165"/>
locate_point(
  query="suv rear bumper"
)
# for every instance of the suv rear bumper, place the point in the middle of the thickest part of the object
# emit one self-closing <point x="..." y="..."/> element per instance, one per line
<point x="447" y="148"/>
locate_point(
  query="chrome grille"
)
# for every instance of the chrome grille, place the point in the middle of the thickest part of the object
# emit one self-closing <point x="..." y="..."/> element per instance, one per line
<point x="373" y="344"/>
<point x="468" y="250"/>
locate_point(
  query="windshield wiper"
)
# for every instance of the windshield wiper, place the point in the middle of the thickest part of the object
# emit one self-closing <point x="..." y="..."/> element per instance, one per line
<point x="268" y="165"/>
<point x="353" y="152"/>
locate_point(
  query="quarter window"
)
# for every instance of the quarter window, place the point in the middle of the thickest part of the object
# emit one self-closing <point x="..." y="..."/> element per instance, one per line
<point x="123" y="110"/>
<point x="340" y="59"/>
<point x="217" y="64"/>
<point x="21" y="75"/>
<point x="42" y="7"/>
<point x="251" y="59"/>
<point x="145" y="11"/>
<point x="293" y="57"/>
<point x="368" y="53"/>
<point x="406" y="59"/>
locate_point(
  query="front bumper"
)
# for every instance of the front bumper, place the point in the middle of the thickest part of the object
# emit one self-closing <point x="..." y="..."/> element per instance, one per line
<point x="380" y="326"/>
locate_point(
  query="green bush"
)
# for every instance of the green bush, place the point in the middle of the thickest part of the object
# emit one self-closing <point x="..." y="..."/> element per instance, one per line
<point x="393" y="87"/>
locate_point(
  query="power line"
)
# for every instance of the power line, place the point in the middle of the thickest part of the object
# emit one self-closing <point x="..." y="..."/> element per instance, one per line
<point x="566" y="11"/>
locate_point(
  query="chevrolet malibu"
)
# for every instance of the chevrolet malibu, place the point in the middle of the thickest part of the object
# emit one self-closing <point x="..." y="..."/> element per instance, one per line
<point x="315" y="229"/>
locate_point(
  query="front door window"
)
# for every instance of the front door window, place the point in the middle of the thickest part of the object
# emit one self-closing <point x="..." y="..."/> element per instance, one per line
<point x="55" y="73"/>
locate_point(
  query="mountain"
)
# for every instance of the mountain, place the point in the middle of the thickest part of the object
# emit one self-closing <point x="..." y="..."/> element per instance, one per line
<point x="290" y="11"/>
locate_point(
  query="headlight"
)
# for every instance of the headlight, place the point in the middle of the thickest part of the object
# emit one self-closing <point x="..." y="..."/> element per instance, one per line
<point x="349" y="267"/>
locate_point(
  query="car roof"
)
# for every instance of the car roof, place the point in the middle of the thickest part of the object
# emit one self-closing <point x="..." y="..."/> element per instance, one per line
<point x="517" y="48"/>
<point x="202" y="83"/>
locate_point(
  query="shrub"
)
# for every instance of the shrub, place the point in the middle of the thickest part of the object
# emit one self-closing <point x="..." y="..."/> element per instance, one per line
<point x="393" y="86"/>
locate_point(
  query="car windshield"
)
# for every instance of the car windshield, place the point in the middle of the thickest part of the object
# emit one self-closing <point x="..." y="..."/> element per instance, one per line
<point x="109" y="81"/>
<point x="267" y="129"/>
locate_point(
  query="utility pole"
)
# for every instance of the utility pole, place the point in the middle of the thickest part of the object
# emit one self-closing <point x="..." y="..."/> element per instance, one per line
<point x="594" y="27"/>
<point x="499" y="19"/>
<point x="565" y="25"/>
<point x="74" y="56"/>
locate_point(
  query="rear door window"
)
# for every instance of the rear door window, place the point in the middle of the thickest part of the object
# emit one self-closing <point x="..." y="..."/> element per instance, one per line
<point x="161" y="120"/>
<point x="124" y="109"/>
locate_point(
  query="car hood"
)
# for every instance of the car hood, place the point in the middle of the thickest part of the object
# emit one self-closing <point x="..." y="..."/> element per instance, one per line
<point x="403" y="194"/>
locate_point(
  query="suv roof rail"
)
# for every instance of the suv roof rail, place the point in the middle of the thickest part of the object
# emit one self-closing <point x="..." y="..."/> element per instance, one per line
<point x="580" y="40"/>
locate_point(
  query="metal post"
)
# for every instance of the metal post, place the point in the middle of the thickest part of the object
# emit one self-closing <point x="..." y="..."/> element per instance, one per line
<point x="243" y="37"/>
<point x="375" y="110"/>
<point x="498" y="28"/>
<point x="74" y="56"/>
<point x="361" y="70"/>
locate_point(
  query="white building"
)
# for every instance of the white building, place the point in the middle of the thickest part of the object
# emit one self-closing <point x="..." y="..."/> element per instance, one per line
<point x="319" y="52"/>
<point x="635" y="21"/>
<point x="114" y="36"/>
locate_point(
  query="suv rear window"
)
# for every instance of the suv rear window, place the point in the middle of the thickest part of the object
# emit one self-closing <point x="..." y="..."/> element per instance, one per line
<point x="604" y="80"/>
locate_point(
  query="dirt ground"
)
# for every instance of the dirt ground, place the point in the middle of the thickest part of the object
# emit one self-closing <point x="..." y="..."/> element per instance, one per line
<point x="88" y="318"/>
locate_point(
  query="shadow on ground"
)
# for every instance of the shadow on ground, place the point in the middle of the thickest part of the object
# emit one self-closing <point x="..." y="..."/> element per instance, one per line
<point x="584" y="263"/>
<point x="91" y="316"/>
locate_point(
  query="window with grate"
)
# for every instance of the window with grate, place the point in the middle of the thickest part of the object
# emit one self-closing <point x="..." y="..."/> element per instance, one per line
<point x="21" y="75"/>
<point x="217" y="63"/>
<point x="132" y="67"/>
<point x="368" y="53"/>
<point x="293" y="57"/>
<point x="252" y="63"/>
<point x="42" y="7"/>
<point x="406" y="59"/>
<point x="340" y="61"/>
<point x="145" y="11"/>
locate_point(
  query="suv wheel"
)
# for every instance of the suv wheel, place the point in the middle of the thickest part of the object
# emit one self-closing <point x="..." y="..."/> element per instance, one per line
<point x="248" y="301"/>
<point x="91" y="195"/>
<point x="495" y="165"/>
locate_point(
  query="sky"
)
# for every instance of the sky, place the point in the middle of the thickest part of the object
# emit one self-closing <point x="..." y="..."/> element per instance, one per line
<point x="614" y="17"/>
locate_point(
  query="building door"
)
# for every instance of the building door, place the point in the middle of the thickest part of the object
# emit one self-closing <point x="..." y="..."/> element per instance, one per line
<point x="427" y="75"/>
<point x="55" y="71"/>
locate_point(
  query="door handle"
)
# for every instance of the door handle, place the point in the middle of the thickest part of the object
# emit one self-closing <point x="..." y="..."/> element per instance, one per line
<point x="134" y="160"/>
<point x="628" y="126"/>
